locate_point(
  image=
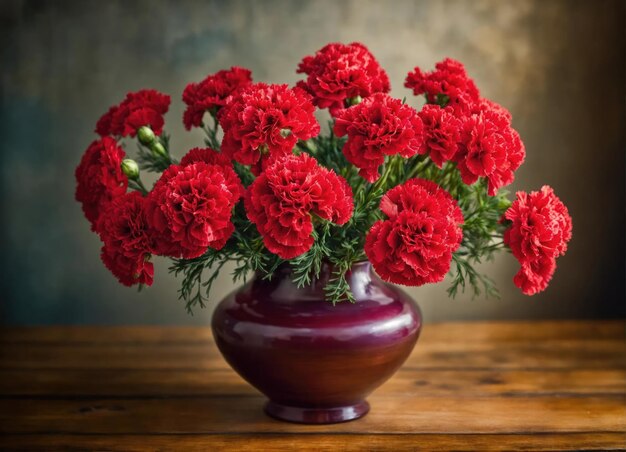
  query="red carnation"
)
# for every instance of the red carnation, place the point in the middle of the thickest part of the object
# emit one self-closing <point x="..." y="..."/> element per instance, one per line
<point x="378" y="126"/>
<point x="539" y="232"/>
<point x="414" y="245"/>
<point x="281" y="200"/>
<point x="124" y="232"/>
<point x="489" y="148"/>
<point x="99" y="177"/>
<point x="447" y="85"/>
<point x="263" y="122"/>
<point x="128" y="271"/>
<point x="190" y="208"/>
<point x="442" y="133"/>
<point x="103" y="126"/>
<point x="142" y="108"/>
<point x="339" y="72"/>
<point x="486" y="104"/>
<point x="211" y="93"/>
<point x="208" y="155"/>
<point x="534" y="276"/>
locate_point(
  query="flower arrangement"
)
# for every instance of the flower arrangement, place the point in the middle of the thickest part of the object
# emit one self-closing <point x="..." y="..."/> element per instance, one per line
<point x="416" y="192"/>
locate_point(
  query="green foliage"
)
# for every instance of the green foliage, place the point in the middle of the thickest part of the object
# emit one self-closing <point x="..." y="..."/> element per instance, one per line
<point x="341" y="247"/>
<point x="327" y="150"/>
<point x="194" y="291"/>
<point x="244" y="174"/>
<point x="152" y="161"/>
<point x="464" y="274"/>
<point x="347" y="254"/>
<point x="482" y="232"/>
<point x="308" y="266"/>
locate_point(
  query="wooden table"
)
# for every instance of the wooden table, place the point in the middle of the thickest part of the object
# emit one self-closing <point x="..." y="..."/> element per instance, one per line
<point x="467" y="386"/>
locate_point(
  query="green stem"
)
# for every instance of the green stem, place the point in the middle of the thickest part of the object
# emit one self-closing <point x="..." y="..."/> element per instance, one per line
<point x="444" y="177"/>
<point x="390" y="168"/>
<point x="359" y="184"/>
<point x="138" y="185"/>
<point x="211" y="133"/>
<point x="477" y="211"/>
<point x="216" y="125"/>
<point x="304" y="146"/>
<point x="143" y="188"/>
<point x="419" y="167"/>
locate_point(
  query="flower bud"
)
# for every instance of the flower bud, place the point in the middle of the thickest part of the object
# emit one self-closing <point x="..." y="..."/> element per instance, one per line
<point x="285" y="132"/>
<point x="264" y="149"/>
<point x="158" y="149"/>
<point x="350" y="101"/>
<point x="130" y="168"/>
<point x="145" y="135"/>
<point x="504" y="203"/>
<point x="442" y="100"/>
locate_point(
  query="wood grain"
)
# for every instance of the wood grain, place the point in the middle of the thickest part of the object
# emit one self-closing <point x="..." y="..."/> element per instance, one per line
<point x="467" y="386"/>
<point x="139" y="383"/>
<point x="415" y="413"/>
<point x="525" y="331"/>
<point x="319" y="442"/>
<point x="554" y="354"/>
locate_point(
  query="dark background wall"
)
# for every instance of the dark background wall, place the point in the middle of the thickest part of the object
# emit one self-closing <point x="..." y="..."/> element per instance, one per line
<point x="558" y="65"/>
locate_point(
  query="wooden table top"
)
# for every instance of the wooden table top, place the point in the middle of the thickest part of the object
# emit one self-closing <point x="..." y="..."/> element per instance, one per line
<point x="467" y="386"/>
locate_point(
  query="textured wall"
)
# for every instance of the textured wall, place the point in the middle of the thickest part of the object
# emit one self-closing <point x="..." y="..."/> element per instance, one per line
<point x="557" y="65"/>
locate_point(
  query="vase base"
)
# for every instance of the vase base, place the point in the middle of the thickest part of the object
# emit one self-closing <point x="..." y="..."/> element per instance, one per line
<point x="331" y="415"/>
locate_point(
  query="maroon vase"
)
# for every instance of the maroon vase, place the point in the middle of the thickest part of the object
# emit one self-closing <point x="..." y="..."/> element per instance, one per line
<point x="314" y="361"/>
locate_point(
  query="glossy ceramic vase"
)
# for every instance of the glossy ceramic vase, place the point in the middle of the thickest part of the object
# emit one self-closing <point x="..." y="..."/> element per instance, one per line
<point x="314" y="361"/>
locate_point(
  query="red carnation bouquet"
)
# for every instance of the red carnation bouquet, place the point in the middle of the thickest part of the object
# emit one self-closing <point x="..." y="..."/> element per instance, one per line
<point x="418" y="193"/>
